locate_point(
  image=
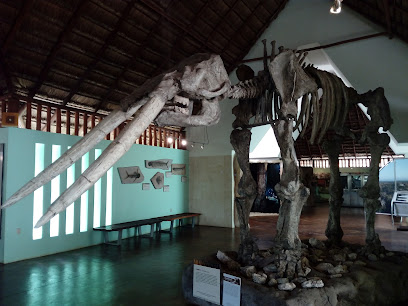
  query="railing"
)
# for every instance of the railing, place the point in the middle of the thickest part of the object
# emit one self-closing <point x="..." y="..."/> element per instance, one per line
<point x="59" y="119"/>
<point x="345" y="162"/>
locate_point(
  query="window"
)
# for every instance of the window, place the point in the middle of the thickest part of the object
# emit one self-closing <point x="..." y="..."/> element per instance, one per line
<point x="69" y="214"/>
<point x="97" y="197"/>
<point x="39" y="193"/>
<point x="55" y="192"/>
<point x="83" y="226"/>
<point x="109" y="180"/>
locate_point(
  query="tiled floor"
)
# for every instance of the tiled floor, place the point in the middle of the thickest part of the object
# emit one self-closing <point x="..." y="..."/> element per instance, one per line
<point x="148" y="272"/>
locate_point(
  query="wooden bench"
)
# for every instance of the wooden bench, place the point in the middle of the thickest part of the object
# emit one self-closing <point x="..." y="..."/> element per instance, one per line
<point x="399" y="205"/>
<point x="138" y="224"/>
<point x="127" y="225"/>
<point x="179" y="217"/>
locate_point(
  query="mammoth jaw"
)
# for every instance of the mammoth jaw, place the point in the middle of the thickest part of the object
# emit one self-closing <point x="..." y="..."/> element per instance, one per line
<point x="209" y="114"/>
<point x="180" y="105"/>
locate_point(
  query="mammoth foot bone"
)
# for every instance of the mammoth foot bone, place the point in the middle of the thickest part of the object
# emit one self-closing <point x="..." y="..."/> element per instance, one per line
<point x="200" y="79"/>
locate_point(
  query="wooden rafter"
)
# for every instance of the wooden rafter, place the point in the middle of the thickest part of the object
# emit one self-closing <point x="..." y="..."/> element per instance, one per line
<point x="27" y="6"/>
<point x="386" y="7"/>
<point x="160" y="68"/>
<point x="220" y="21"/>
<point x="50" y="58"/>
<point x="6" y="73"/>
<point x="113" y="87"/>
<point x="142" y="45"/>
<point x="108" y="41"/>
<point x="246" y="49"/>
<point x="181" y="26"/>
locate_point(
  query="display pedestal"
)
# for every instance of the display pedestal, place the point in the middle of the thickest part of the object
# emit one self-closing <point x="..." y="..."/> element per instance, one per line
<point x="381" y="282"/>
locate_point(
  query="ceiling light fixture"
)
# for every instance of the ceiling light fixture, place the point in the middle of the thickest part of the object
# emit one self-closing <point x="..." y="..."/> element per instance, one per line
<point x="336" y="7"/>
<point x="170" y="139"/>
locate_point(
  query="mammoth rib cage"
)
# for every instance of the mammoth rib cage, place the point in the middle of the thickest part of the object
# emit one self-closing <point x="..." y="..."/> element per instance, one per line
<point x="327" y="111"/>
<point x="323" y="112"/>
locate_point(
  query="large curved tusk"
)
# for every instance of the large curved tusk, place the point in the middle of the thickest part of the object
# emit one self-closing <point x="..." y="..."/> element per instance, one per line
<point x="108" y="158"/>
<point x="212" y="94"/>
<point x="72" y="155"/>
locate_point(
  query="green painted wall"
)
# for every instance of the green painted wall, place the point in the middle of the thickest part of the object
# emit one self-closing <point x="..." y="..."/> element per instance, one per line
<point x="3" y="139"/>
<point x="129" y="201"/>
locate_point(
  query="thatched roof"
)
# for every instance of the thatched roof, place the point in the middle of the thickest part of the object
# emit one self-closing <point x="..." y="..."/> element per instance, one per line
<point x="90" y="54"/>
<point x="94" y="53"/>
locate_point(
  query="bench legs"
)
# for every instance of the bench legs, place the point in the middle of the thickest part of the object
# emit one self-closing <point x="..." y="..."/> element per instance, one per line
<point x="138" y="231"/>
<point x="106" y="238"/>
<point x="170" y="230"/>
<point x="151" y="235"/>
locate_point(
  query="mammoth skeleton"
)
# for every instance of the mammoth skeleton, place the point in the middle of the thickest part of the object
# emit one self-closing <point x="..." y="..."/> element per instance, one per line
<point x="272" y="97"/>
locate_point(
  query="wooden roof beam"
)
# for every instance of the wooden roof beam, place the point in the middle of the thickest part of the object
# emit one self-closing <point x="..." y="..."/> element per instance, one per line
<point x="181" y="36"/>
<point x="27" y="6"/>
<point x="384" y="6"/>
<point x="104" y="100"/>
<point x="109" y="39"/>
<point x="50" y="58"/>
<point x="237" y="32"/>
<point x="154" y="7"/>
<point x="260" y="32"/>
<point x="221" y="20"/>
<point x="6" y="73"/>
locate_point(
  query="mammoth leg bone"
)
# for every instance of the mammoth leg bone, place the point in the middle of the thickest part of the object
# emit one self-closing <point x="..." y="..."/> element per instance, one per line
<point x="333" y="230"/>
<point x="371" y="190"/>
<point x="72" y="155"/>
<point x="240" y="140"/>
<point x="108" y="158"/>
<point x="292" y="193"/>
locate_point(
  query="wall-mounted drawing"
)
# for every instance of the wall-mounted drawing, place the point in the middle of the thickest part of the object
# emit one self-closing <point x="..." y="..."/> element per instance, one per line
<point x="166" y="188"/>
<point x="158" y="180"/>
<point x="130" y="175"/>
<point x="168" y="174"/>
<point x="146" y="186"/>
<point x="184" y="179"/>
<point x="178" y="169"/>
<point x="158" y="164"/>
